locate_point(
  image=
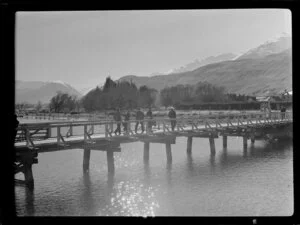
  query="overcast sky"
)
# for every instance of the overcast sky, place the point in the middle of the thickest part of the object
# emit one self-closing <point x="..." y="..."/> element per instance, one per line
<point x="82" y="48"/>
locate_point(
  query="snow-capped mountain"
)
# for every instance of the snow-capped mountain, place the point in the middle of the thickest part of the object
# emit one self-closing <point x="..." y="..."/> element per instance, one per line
<point x="198" y="63"/>
<point x="273" y="46"/>
<point x="34" y="91"/>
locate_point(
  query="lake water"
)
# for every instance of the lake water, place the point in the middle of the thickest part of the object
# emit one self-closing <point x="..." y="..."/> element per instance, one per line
<point x="256" y="182"/>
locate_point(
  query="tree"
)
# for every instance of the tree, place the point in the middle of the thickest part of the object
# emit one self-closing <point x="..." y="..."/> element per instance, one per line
<point x="38" y="106"/>
<point x="109" y="83"/>
<point x="146" y="96"/>
<point x="165" y="97"/>
<point x="62" y="102"/>
<point x="121" y="94"/>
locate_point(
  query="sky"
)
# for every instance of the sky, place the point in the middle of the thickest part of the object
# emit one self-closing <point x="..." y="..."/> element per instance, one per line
<point x="82" y="48"/>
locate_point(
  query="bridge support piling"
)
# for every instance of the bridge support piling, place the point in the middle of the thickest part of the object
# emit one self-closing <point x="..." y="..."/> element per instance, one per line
<point x="28" y="174"/>
<point x="168" y="152"/>
<point x="146" y="151"/>
<point x="252" y="139"/>
<point x="245" y="142"/>
<point x="86" y="159"/>
<point x="71" y="130"/>
<point x="110" y="161"/>
<point x="212" y="145"/>
<point x="224" y="141"/>
<point x="49" y="132"/>
<point x="189" y="145"/>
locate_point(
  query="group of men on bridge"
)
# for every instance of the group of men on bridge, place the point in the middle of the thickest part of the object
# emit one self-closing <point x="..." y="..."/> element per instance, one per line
<point x="139" y="117"/>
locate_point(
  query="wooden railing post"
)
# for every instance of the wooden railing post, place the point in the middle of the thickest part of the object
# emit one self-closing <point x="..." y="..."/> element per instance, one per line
<point x="85" y="132"/>
<point x="146" y="127"/>
<point x="106" y="129"/>
<point x="58" y="135"/>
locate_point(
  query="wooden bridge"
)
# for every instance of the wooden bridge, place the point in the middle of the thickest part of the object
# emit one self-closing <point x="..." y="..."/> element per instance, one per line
<point x="99" y="135"/>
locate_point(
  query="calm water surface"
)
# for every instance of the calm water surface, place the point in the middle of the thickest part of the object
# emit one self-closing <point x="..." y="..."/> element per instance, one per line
<point x="256" y="182"/>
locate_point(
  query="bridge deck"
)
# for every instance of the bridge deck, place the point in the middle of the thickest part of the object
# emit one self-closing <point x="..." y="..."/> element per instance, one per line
<point x="183" y="128"/>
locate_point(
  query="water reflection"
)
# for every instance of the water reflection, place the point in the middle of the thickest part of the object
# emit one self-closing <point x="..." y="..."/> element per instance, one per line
<point x="29" y="199"/>
<point x="147" y="172"/>
<point x="245" y="152"/>
<point x="258" y="153"/>
<point x="169" y="173"/>
<point x="190" y="164"/>
<point x="87" y="195"/>
<point x="131" y="198"/>
<point x="212" y="161"/>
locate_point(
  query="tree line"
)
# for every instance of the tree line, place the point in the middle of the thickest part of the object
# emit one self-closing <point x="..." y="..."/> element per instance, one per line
<point x="126" y="95"/>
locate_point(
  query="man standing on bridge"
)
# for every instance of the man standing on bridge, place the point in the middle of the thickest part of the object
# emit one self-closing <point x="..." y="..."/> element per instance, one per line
<point x="117" y="118"/>
<point x="172" y="116"/>
<point x="139" y="119"/>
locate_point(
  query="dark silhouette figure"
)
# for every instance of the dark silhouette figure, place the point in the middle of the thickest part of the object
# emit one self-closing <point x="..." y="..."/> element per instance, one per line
<point x="126" y="119"/>
<point x="139" y="118"/>
<point x="149" y="117"/>
<point x="16" y="125"/>
<point x="172" y="116"/>
<point x="117" y="118"/>
<point x="283" y="110"/>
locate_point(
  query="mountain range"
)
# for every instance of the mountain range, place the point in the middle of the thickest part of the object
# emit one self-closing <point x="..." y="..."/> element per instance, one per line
<point x="34" y="91"/>
<point x="263" y="70"/>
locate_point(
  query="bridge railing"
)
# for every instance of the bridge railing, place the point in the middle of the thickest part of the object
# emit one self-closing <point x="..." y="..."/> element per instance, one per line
<point x="62" y="130"/>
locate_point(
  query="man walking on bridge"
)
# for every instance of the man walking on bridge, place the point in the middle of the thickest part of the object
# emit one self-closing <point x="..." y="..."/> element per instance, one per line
<point x="172" y="116"/>
<point x="283" y="110"/>
<point x="139" y="118"/>
<point x="117" y="118"/>
<point x="150" y="118"/>
<point x="126" y="119"/>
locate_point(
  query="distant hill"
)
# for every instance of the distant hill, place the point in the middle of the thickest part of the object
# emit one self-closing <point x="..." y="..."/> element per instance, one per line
<point x="34" y="91"/>
<point x="257" y="76"/>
